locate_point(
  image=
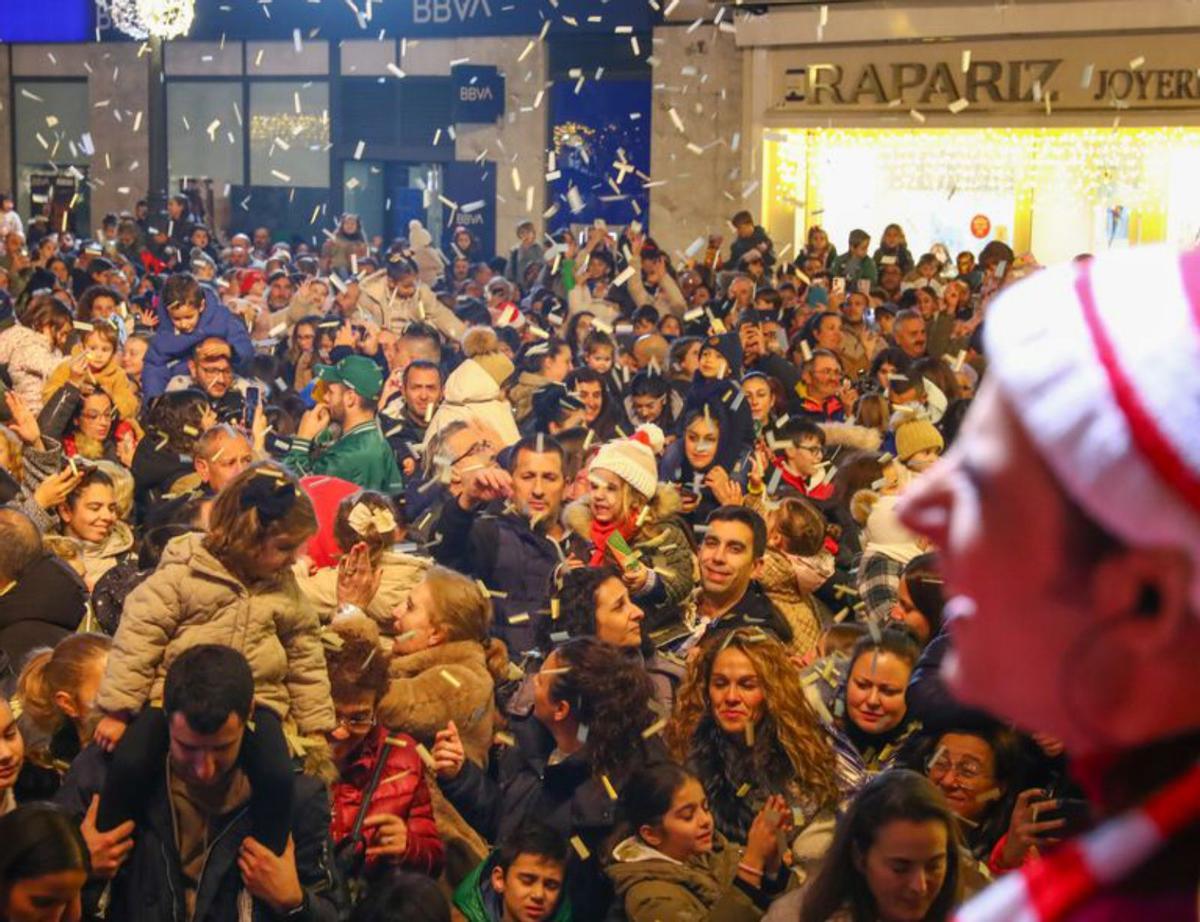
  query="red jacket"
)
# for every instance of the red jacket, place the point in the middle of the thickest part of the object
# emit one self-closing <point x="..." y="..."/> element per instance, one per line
<point x="402" y="792"/>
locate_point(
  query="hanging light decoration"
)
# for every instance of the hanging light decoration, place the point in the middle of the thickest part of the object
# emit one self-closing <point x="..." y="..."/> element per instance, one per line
<point x="167" y="18"/>
<point x="163" y="19"/>
<point x="125" y="17"/>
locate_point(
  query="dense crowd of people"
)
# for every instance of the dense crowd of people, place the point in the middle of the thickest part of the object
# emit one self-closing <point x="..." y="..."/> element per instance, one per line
<point x="381" y="581"/>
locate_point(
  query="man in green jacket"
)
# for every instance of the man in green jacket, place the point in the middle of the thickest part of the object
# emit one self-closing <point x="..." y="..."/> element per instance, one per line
<point x="349" y="396"/>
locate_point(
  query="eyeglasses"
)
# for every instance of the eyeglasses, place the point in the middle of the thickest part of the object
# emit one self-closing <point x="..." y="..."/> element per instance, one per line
<point x="966" y="769"/>
<point x="93" y="415"/>
<point x="356" y="722"/>
<point x="483" y="446"/>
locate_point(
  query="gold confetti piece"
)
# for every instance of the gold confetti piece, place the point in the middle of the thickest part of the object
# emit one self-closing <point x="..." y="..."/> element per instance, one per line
<point x="82" y="325"/>
<point x="917" y="116"/>
<point x="190" y="430"/>
<point x="396" y="741"/>
<point x="612" y="792"/>
<point x="580" y="848"/>
<point x="1137" y="62"/>
<point x="502" y="738"/>
<point x="450" y="678"/>
<point x="989" y="795"/>
<point x="554" y="609"/>
<point x="655" y="728"/>
<point x="522" y="618"/>
<point x="744" y="789"/>
<point x="396" y="777"/>
<point x="750" y="733"/>
<point x="958" y="105"/>
<point x="425" y="756"/>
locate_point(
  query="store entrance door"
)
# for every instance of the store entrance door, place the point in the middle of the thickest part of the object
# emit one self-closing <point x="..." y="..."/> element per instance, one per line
<point x="412" y="193"/>
<point x="387" y="194"/>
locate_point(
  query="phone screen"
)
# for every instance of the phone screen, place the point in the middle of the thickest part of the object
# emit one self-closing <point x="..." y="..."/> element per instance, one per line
<point x="253" y="398"/>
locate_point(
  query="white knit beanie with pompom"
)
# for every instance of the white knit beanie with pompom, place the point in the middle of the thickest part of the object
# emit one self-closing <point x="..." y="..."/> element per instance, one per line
<point x="633" y="459"/>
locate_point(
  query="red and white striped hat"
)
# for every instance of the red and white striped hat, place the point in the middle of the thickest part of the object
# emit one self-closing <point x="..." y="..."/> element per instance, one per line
<point x="1100" y="361"/>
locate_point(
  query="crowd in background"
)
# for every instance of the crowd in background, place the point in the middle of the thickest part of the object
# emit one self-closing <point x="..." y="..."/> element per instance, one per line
<point x="389" y="581"/>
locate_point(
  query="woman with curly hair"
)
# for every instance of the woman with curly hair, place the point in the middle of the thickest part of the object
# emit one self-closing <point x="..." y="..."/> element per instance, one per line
<point x="744" y="727"/>
<point x="566" y="765"/>
<point x="631" y="519"/>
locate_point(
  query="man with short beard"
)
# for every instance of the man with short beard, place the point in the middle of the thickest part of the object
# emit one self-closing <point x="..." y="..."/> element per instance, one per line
<point x="361" y="454"/>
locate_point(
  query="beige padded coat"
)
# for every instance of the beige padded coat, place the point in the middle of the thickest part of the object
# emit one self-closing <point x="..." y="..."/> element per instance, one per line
<point x="192" y="599"/>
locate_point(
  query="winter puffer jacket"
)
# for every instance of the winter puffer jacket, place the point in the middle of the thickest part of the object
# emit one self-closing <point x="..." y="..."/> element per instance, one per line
<point x="401" y="791"/>
<point x="193" y="599"/>
<point x="30" y="362"/>
<point x="169" y="350"/>
<point x="655" y="888"/>
<point x="400" y="575"/>
<point x="472" y="394"/>
<point x="435" y="686"/>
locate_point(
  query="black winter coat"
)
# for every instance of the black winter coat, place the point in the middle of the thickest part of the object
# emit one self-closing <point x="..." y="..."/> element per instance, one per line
<point x="149" y="887"/>
<point x="511" y="558"/>
<point x="565" y="796"/>
<point x="45" y="605"/>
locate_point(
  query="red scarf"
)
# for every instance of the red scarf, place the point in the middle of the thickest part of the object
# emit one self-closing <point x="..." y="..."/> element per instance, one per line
<point x="821" y="491"/>
<point x="601" y="534"/>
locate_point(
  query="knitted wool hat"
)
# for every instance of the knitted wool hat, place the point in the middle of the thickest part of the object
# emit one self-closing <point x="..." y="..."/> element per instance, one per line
<point x="730" y="347"/>
<point x="632" y="459"/>
<point x="1109" y="395"/>
<point x="498" y="366"/>
<point x="917" y="434"/>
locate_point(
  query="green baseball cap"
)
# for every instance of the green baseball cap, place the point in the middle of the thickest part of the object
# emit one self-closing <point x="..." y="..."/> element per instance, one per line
<point x="356" y="372"/>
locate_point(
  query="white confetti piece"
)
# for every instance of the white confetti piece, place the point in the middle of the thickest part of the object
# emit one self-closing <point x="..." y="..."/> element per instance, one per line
<point x="1137" y="62"/>
<point x="396" y="71"/>
<point x="966" y="60"/>
<point x="917" y="116"/>
<point x="282" y="177"/>
<point x="958" y="105"/>
<point x="358" y="150"/>
<point x="676" y="119"/>
<point x="1085" y="79"/>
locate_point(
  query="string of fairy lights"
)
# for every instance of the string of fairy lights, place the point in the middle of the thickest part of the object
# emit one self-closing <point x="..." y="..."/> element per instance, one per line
<point x="1094" y="164"/>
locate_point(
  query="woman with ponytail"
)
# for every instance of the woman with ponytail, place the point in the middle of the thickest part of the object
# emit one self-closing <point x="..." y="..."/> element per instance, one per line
<point x="57" y="692"/>
<point x="233" y="586"/>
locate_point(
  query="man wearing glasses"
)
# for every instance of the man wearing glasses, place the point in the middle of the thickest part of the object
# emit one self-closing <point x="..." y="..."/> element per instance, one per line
<point x="211" y="370"/>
